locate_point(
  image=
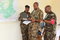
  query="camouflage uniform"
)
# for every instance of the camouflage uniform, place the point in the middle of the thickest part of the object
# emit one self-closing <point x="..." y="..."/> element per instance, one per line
<point x="24" y="28"/>
<point x="34" y="27"/>
<point x="50" y="28"/>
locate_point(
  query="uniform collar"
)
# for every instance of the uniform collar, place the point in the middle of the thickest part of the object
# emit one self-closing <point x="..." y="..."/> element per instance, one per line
<point x="26" y="12"/>
<point x="37" y="9"/>
<point x="50" y="12"/>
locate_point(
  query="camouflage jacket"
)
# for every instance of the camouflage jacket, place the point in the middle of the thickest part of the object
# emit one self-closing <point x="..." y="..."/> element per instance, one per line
<point x="23" y="15"/>
<point x="48" y="17"/>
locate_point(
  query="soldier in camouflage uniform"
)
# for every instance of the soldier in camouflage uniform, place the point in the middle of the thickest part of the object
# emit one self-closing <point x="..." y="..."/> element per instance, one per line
<point x="50" y="26"/>
<point x="24" y="28"/>
<point x="34" y="27"/>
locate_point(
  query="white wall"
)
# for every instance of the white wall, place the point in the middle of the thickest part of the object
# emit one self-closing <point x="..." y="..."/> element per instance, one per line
<point x="10" y="31"/>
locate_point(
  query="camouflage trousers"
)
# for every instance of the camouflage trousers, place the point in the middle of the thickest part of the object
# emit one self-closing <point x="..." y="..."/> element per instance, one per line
<point x="33" y="31"/>
<point x="24" y="31"/>
<point x="49" y="35"/>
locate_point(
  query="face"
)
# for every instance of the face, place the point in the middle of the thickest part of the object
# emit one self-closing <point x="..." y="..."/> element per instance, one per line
<point x="27" y="9"/>
<point x="47" y="9"/>
<point x="35" y="6"/>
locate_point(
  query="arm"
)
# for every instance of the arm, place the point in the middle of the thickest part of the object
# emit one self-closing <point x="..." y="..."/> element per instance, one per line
<point x="40" y="19"/>
<point x="46" y="21"/>
<point x="20" y="17"/>
<point x="52" y="20"/>
<point x="40" y="16"/>
<point x="32" y="17"/>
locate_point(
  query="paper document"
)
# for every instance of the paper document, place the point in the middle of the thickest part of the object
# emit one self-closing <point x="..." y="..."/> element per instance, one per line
<point x="26" y="22"/>
<point x="25" y="19"/>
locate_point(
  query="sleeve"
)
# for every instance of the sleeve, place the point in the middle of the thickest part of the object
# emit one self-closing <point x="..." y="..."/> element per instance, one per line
<point x="29" y="15"/>
<point x="20" y="17"/>
<point x="40" y="18"/>
<point x="40" y="15"/>
<point x="32" y="14"/>
<point x="53" y="19"/>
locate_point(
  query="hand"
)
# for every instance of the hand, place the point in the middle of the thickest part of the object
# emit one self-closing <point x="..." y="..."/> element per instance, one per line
<point x="33" y="20"/>
<point x="41" y="20"/>
<point x="29" y="18"/>
<point x="47" y="21"/>
<point x="43" y="34"/>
